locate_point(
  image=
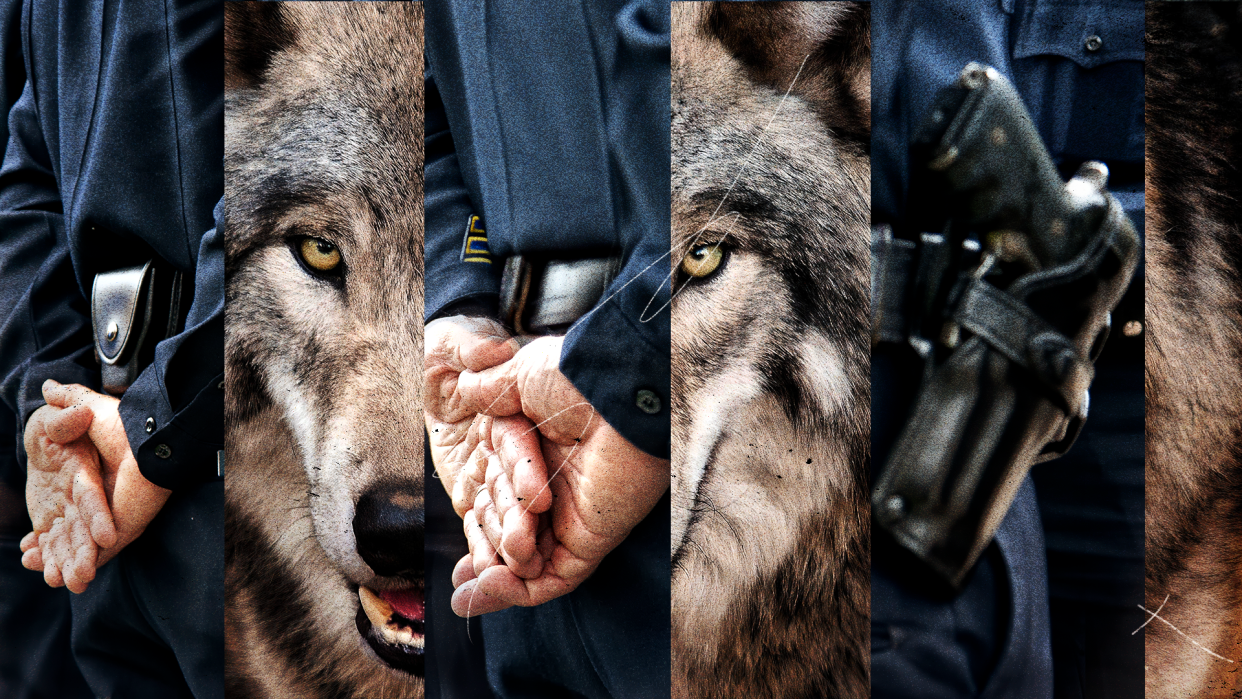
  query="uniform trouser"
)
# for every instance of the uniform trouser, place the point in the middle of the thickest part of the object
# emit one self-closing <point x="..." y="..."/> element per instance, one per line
<point x="35" y="662"/>
<point x="608" y="638"/>
<point x="152" y="622"/>
<point x="1095" y="652"/>
<point x="991" y="640"/>
<point x="454" y="661"/>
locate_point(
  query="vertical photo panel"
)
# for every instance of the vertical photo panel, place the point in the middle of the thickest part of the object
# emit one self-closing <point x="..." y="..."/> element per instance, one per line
<point x="547" y="361"/>
<point x="1194" y="380"/>
<point x="771" y="391"/>
<point x="324" y="593"/>
<point x="1007" y="349"/>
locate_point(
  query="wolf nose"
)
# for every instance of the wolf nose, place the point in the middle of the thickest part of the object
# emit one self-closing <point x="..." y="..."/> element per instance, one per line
<point x="388" y="526"/>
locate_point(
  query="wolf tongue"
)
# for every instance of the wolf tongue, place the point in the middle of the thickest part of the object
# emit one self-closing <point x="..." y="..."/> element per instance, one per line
<point x="408" y="603"/>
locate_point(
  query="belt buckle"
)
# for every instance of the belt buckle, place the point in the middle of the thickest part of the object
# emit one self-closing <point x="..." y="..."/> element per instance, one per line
<point x="545" y="296"/>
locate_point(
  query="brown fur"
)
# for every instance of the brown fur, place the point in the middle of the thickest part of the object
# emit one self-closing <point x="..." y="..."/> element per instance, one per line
<point x="1194" y="347"/>
<point x="771" y="409"/>
<point x="323" y="136"/>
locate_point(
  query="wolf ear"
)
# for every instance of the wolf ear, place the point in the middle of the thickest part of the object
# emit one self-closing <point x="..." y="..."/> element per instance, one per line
<point x="773" y="39"/>
<point x="253" y="33"/>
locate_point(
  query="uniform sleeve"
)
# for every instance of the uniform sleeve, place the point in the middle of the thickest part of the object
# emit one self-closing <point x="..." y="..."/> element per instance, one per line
<point x="47" y="333"/>
<point x="174" y="411"/>
<point x="449" y="278"/>
<point x="618" y="355"/>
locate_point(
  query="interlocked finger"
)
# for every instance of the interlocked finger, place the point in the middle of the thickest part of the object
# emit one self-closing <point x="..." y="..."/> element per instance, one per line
<point x="92" y="505"/>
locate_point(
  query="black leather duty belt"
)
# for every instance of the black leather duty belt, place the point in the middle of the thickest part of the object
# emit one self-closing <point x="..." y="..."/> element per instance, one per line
<point x="544" y="296"/>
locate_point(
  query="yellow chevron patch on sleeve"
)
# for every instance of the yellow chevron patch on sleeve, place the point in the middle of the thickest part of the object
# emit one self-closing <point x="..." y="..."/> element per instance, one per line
<point x="475" y="248"/>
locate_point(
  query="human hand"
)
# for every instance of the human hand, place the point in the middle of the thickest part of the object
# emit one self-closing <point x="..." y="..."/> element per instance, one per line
<point x="602" y="486"/>
<point x="65" y="497"/>
<point x="133" y="500"/>
<point x="456" y="344"/>
<point x="509" y="481"/>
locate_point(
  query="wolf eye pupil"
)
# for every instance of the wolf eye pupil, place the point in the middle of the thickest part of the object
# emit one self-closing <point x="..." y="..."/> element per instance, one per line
<point x="321" y="255"/>
<point x="702" y="260"/>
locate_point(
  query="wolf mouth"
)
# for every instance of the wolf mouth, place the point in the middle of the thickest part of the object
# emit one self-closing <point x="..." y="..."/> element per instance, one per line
<point x="392" y="623"/>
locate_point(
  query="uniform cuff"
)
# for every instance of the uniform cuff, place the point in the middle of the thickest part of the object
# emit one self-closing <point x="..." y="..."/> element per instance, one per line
<point x="623" y="372"/>
<point x="175" y="450"/>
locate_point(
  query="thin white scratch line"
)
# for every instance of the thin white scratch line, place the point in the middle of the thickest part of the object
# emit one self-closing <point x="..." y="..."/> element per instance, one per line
<point x="642" y="316"/>
<point x="496" y="550"/>
<point x="712" y="219"/>
<point x="1156" y="615"/>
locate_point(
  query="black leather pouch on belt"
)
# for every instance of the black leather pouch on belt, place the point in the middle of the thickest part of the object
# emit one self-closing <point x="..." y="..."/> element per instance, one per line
<point x="132" y="310"/>
<point x="544" y="296"/>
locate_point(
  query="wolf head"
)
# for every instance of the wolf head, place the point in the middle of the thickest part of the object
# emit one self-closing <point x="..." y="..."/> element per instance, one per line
<point x="324" y="347"/>
<point x="770" y="362"/>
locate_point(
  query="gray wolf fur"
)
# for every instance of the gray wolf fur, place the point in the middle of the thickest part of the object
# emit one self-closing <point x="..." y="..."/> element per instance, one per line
<point x="324" y="140"/>
<point x="1194" y="332"/>
<point x="770" y="362"/>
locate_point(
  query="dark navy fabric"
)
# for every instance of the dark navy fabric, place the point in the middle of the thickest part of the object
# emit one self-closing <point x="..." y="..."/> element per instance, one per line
<point x="1085" y="95"/>
<point x="20" y="257"/>
<point x="555" y="132"/>
<point x="990" y="640"/>
<point x="151" y="623"/>
<point x="118" y="151"/>
<point x="609" y="638"/>
<point x="35" y="661"/>
<point x="550" y="121"/>
<point x="115" y="157"/>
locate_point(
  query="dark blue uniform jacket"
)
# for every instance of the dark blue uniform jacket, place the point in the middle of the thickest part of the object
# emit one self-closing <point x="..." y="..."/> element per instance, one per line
<point x="115" y="152"/>
<point x="551" y="123"/>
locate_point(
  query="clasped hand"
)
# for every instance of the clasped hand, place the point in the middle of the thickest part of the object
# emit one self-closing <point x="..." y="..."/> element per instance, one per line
<point x="545" y="487"/>
<point x="86" y="497"/>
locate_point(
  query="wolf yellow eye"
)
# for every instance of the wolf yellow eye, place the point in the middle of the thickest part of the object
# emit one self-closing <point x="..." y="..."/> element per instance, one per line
<point x="320" y="254"/>
<point x="702" y="260"/>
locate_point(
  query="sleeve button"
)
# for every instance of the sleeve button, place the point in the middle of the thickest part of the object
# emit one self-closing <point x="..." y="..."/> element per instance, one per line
<point x="163" y="451"/>
<point x="1093" y="43"/>
<point x="647" y="401"/>
<point x="150" y="425"/>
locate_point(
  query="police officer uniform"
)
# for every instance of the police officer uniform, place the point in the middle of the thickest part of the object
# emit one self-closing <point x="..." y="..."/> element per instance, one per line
<point x="116" y="151"/>
<point x="1078" y="69"/>
<point x="34" y="618"/>
<point x="549" y="123"/>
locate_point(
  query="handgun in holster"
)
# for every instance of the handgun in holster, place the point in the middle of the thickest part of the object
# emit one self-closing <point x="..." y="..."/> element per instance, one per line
<point x="1005" y="309"/>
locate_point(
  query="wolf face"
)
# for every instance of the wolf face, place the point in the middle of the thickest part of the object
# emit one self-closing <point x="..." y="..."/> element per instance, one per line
<point x="1193" y="376"/>
<point x="324" y="349"/>
<point x="770" y="362"/>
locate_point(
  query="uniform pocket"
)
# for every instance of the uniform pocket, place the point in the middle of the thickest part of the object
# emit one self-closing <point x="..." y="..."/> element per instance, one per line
<point x="1089" y="35"/>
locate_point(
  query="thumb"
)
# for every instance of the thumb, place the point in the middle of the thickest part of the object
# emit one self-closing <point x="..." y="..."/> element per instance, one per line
<point x="61" y="395"/>
<point x="492" y="391"/>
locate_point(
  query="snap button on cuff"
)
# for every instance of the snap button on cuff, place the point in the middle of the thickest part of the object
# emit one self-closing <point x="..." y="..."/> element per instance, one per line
<point x="1093" y="43"/>
<point x="150" y="425"/>
<point x="163" y="451"/>
<point x="647" y="401"/>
